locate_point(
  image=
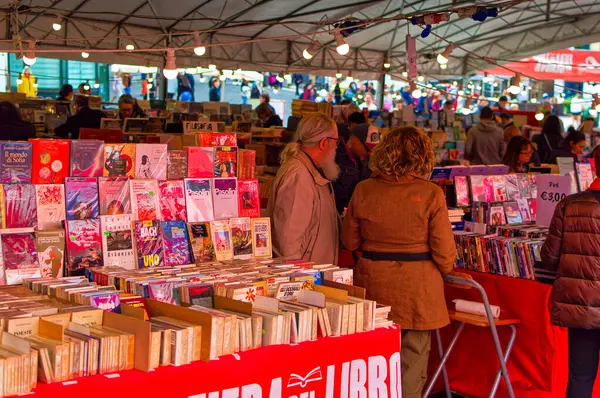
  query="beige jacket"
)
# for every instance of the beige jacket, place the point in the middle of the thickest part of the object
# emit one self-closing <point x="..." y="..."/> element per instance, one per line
<point x="303" y="213"/>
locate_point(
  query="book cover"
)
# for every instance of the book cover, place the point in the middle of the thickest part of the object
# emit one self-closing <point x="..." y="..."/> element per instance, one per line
<point x="261" y="238"/>
<point x="2" y="208"/>
<point x="87" y="158"/>
<point x="218" y="139"/>
<point x="241" y="236"/>
<point x="15" y="162"/>
<point x="225" y="161"/>
<point x="221" y="237"/>
<point x="532" y="208"/>
<point x="248" y="198"/>
<point x="117" y="241"/>
<point x="114" y="195"/>
<point x="524" y="186"/>
<point x="148" y="243"/>
<point x="225" y="198"/>
<point x="532" y="186"/>
<point x="172" y="200"/>
<point x="144" y="200"/>
<point x="84" y="246"/>
<point x="524" y="209"/>
<point x="82" y="198"/>
<point x="201" y="243"/>
<point x="50" y="200"/>
<point x="585" y="175"/>
<point x="177" y="162"/>
<point x="488" y="188"/>
<point x="50" y="161"/>
<point x="19" y="206"/>
<point x="200" y="162"/>
<point x="106" y="301"/>
<point x="201" y="294"/>
<point x="162" y="291"/>
<point x="477" y="189"/>
<point x="513" y="213"/>
<point x="151" y="161"/>
<point x="119" y="160"/>
<point x="499" y="186"/>
<point x="50" y="247"/>
<point x="20" y="257"/>
<point x="512" y="186"/>
<point x="246" y="164"/>
<point x="462" y="191"/>
<point x="497" y="216"/>
<point x="176" y="243"/>
<point x="198" y="199"/>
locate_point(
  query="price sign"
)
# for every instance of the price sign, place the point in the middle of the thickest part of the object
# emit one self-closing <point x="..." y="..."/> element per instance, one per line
<point x="551" y="190"/>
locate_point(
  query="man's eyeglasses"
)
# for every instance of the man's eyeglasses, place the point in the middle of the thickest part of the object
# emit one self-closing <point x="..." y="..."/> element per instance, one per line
<point x="333" y="139"/>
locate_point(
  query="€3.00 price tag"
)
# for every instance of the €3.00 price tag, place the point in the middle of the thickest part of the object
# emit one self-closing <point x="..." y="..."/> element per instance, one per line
<point x="551" y="190"/>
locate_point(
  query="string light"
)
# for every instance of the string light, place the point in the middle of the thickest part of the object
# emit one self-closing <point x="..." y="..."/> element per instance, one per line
<point x="97" y="84"/>
<point x="279" y="78"/>
<point x="342" y="47"/>
<point x="57" y="25"/>
<point x="443" y="66"/>
<point x="170" y="69"/>
<point x="150" y="86"/>
<point x="29" y="56"/>
<point x="421" y="78"/>
<point x="130" y="47"/>
<point x="539" y="116"/>
<point x="515" y="87"/>
<point x="455" y="83"/>
<point x="222" y="77"/>
<point x="338" y="75"/>
<point x="466" y="110"/>
<point x="85" y="55"/>
<point x="405" y="74"/>
<point x="416" y="91"/>
<point x="199" y="50"/>
<point x="387" y="63"/>
<point x="310" y="52"/>
<point x="86" y="86"/>
<point x="212" y="67"/>
<point x="442" y="58"/>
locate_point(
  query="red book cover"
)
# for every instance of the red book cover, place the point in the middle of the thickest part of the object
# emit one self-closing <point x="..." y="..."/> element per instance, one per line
<point x="248" y="198"/>
<point x="144" y="200"/>
<point x="20" y="257"/>
<point x="246" y="164"/>
<point x="225" y="162"/>
<point x="50" y="161"/>
<point x="218" y="139"/>
<point x="20" y="205"/>
<point x="200" y="162"/>
<point x="172" y="200"/>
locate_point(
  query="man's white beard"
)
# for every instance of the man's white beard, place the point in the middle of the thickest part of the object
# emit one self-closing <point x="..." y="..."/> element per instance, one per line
<point x="330" y="168"/>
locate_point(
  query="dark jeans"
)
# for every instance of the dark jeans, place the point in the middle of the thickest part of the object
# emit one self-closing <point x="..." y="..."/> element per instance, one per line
<point x="584" y="351"/>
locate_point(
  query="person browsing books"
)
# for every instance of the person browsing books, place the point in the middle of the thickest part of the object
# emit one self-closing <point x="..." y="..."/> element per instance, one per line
<point x="129" y="108"/>
<point x="572" y="146"/>
<point x="485" y="141"/>
<point x="268" y="117"/>
<point x="84" y="118"/>
<point x="520" y="155"/>
<point x="302" y="205"/>
<point x="399" y="220"/>
<point x="550" y="139"/>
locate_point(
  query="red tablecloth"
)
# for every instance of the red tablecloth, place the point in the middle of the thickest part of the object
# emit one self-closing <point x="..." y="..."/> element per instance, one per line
<point x="538" y="365"/>
<point x="348" y="366"/>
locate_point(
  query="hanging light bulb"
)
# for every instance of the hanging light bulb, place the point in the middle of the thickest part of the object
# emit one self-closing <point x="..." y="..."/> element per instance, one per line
<point x="405" y="74"/>
<point x="29" y="56"/>
<point x="342" y="47"/>
<point x="466" y="110"/>
<point x="202" y="78"/>
<point x="86" y="86"/>
<point x="443" y="66"/>
<point x="222" y="77"/>
<point x="387" y="63"/>
<point x="212" y="67"/>
<point x="310" y="52"/>
<point x="97" y="84"/>
<point x="170" y="69"/>
<point x="421" y="78"/>
<point x="515" y="87"/>
<point x="85" y="55"/>
<point x="338" y="75"/>
<point x="442" y="58"/>
<point x="534" y="100"/>
<point x="416" y="91"/>
<point x="199" y="50"/>
<point x="57" y="25"/>
<point x="279" y="78"/>
<point x="539" y="116"/>
<point x="495" y="84"/>
<point x="455" y="83"/>
<point x="130" y="47"/>
<point x="35" y="83"/>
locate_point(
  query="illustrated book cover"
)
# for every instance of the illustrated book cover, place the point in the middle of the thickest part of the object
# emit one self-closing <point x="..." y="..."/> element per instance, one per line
<point x="151" y="161"/>
<point x="225" y="161"/>
<point x="261" y="238"/>
<point x="20" y="257"/>
<point x="177" y="162"/>
<point x="198" y="199"/>
<point x="144" y="200"/>
<point x="82" y="198"/>
<point x="19" y="206"/>
<point x="50" y="161"/>
<point x="15" y="162"/>
<point x="50" y="200"/>
<point x="249" y="198"/>
<point x="462" y="190"/>
<point x="176" y="243"/>
<point x="225" y="198"/>
<point x="87" y="158"/>
<point x="117" y="241"/>
<point x="200" y="238"/>
<point x="221" y="237"/>
<point x="114" y="195"/>
<point x="513" y="213"/>
<point x="84" y="246"/>
<point x="241" y="237"/>
<point x="50" y="247"/>
<point x="119" y="160"/>
<point x="172" y="200"/>
<point x="200" y="162"/>
<point x="148" y="243"/>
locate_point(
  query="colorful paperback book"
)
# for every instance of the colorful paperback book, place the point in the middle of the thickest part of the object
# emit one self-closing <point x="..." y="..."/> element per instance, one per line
<point x="82" y="198"/>
<point x="198" y="199"/>
<point x="176" y="243"/>
<point x="532" y="186"/>
<point x="477" y="189"/>
<point x="585" y="175"/>
<point x="19" y="206"/>
<point x="84" y="246"/>
<point x="462" y="191"/>
<point x="162" y="291"/>
<point x="20" y="257"/>
<point x="106" y="301"/>
<point x="50" y="247"/>
<point x="241" y="236"/>
<point x="261" y="238"/>
<point x="524" y="209"/>
<point x="225" y="161"/>
<point x="249" y="198"/>
<point x="177" y="162"/>
<point x="218" y="139"/>
<point x="221" y="237"/>
<point x="201" y="243"/>
<point x="119" y="160"/>
<point x="144" y="200"/>
<point x="151" y="161"/>
<point x="497" y="216"/>
<point x="246" y="164"/>
<point x="524" y="186"/>
<point x="87" y="158"/>
<point x="488" y="188"/>
<point x="117" y="241"/>
<point x="148" y="243"/>
<point x="499" y="185"/>
<point x="512" y="186"/>
<point x="532" y="208"/>
<point x="513" y="213"/>
<point x="50" y="200"/>
<point x="114" y="195"/>
<point x="172" y="200"/>
<point x="200" y="162"/>
<point x="50" y="161"/>
<point x="225" y="198"/>
<point x="15" y="162"/>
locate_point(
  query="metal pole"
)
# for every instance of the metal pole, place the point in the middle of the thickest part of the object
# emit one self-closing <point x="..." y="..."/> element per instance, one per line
<point x="381" y="84"/>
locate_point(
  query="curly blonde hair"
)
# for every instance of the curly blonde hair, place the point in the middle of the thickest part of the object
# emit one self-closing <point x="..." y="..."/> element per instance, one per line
<point x="403" y="151"/>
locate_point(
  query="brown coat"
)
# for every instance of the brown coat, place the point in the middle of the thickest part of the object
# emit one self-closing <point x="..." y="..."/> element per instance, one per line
<point x="573" y="249"/>
<point x="511" y="131"/>
<point x="303" y="215"/>
<point x="405" y="216"/>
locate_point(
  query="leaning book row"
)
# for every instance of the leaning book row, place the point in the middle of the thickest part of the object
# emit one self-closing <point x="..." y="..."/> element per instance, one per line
<point x="520" y="211"/>
<point x="496" y="188"/>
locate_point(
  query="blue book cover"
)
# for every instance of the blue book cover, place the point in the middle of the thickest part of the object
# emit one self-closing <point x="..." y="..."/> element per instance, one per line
<point x="82" y="198"/>
<point x="441" y="173"/>
<point x="15" y="162"/>
<point x="176" y="243"/>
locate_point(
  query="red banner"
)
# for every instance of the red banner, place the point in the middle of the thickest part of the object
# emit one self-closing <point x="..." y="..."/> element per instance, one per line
<point x="568" y="65"/>
<point x="356" y="366"/>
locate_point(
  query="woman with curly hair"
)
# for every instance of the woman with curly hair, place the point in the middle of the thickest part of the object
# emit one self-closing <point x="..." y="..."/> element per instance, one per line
<point x="399" y="220"/>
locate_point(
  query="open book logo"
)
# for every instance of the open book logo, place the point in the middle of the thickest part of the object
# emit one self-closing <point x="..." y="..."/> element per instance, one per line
<point x="297" y="380"/>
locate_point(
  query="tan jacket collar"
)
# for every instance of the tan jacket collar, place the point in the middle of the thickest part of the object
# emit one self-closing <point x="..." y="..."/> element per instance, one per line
<point x="306" y="161"/>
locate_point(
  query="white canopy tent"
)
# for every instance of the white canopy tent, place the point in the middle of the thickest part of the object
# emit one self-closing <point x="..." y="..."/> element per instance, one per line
<point x="235" y="39"/>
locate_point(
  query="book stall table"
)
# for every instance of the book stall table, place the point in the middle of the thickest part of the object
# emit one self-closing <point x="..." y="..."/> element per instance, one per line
<point x="358" y="365"/>
<point x="538" y="364"/>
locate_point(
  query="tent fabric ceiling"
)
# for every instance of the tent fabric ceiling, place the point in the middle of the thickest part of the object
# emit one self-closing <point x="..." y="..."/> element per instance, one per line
<point x="529" y="28"/>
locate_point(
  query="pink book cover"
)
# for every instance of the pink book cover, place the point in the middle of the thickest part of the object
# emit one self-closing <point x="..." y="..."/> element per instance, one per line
<point x="512" y="186"/>
<point x="151" y="161"/>
<point x="462" y="191"/>
<point x="198" y="199"/>
<point x="50" y="201"/>
<point x="532" y="208"/>
<point x="200" y="162"/>
<point x="524" y="209"/>
<point x="248" y="199"/>
<point x="84" y="245"/>
<point x="162" y="291"/>
<point x="477" y="189"/>
<point x="144" y="200"/>
<point x="499" y="186"/>
<point x="225" y="198"/>
<point x="488" y="189"/>
<point x="20" y="207"/>
<point x="114" y="196"/>
<point x="172" y="200"/>
<point x="87" y="158"/>
<point x="20" y="257"/>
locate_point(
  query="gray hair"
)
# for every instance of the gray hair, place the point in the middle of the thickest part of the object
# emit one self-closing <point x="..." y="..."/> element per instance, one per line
<point x="312" y="129"/>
